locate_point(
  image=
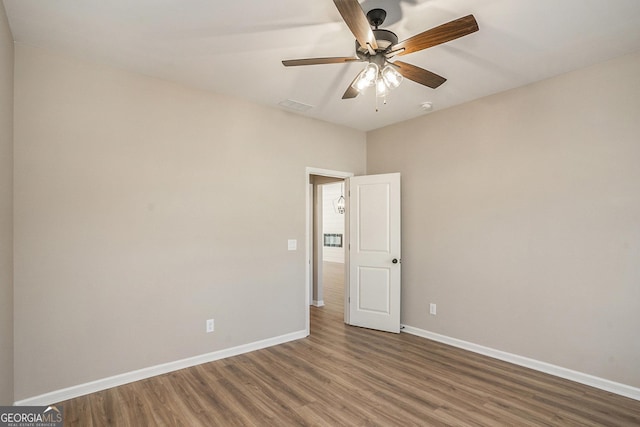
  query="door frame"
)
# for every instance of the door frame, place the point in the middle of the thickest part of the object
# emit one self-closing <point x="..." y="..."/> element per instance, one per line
<point x="309" y="250"/>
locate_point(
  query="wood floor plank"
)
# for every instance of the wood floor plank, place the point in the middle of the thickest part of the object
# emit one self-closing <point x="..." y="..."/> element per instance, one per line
<point x="79" y="414"/>
<point x="347" y="376"/>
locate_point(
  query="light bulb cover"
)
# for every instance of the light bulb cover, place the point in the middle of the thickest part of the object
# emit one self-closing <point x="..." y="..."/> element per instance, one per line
<point x="367" y="77"/>
<point x="391" y="77"/>
<point x="381" y="88"/>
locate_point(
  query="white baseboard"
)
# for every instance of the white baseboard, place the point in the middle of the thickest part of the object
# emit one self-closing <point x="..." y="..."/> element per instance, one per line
<point x="152" y="371"/>
<point x="318" y="303"/>
<point x="579" y="377"/>
<point x="105" y="383"/>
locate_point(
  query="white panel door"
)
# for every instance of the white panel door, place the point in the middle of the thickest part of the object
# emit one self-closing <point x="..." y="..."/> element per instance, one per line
<point x="374" y="254"/>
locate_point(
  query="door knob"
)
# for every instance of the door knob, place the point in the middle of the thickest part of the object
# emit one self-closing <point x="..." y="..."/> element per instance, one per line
<point x="395" y="261"/>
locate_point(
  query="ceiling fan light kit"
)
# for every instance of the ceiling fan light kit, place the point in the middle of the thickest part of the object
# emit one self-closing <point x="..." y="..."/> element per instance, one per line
<point x="377" y="46"/>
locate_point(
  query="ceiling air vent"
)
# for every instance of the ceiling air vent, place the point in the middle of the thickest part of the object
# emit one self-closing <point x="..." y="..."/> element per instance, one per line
<point x="294" y="105"/>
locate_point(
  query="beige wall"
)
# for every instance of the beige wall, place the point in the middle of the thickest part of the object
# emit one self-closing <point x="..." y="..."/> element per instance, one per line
<point x="6" y="211"/>
<point x="144" y="208"/>
<point x="521" y="219"/>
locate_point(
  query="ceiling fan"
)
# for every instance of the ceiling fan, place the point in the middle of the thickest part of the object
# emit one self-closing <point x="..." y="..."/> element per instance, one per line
<point x="377" y="47"/>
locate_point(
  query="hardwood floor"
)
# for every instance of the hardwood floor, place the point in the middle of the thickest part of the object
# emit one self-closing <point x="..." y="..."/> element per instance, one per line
<point x="346" y="376"/>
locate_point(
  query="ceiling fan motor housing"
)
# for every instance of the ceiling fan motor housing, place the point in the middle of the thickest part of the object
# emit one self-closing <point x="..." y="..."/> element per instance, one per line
<point x="384" y="38"/>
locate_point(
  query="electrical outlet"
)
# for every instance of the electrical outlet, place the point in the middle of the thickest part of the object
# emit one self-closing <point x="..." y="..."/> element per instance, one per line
<point x="210" y="325"/>
<point x="432" y="309"/>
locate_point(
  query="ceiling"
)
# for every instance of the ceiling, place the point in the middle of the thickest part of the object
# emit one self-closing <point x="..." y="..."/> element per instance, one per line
<point x="236" y="47"/>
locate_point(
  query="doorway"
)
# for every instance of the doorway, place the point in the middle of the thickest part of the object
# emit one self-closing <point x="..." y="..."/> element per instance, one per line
<point x="329" y="223"/>
<point x="325" y="242"/>
<point x="372" y="278"/>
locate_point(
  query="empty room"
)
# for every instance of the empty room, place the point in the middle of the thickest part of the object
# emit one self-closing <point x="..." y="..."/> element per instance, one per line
<point x="337" y="212"/>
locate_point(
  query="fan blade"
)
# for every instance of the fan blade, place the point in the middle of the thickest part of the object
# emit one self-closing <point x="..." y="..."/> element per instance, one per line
<point x="351" y="92"/>
<point x="419" y="75"/>
<point x="317" y="61"/>
<point x="438" y="35"/>
<point x="357" y="22"/>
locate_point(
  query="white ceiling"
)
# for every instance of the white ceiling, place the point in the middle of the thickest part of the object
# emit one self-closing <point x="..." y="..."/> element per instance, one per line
<point x="235" y="47"/>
